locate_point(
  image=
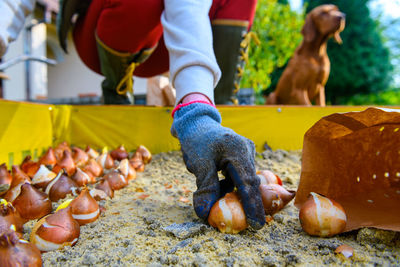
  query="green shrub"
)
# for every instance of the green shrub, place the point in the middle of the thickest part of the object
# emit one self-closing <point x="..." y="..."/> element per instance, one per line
<point x="385" y="98"/>
<point x="278" y="28"/>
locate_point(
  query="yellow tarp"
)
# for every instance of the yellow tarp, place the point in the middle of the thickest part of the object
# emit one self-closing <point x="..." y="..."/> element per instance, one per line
<point x="24" y="129"/>
<point x="111" y="126"/>
<point x="281" y="127"/>
<point x="31" y="128"/>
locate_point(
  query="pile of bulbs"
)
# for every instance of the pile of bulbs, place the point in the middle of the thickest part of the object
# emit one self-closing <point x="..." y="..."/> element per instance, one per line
<point x="28" y="191"/>
<point x="228" y="215"/>
<point x="319" y="216"/>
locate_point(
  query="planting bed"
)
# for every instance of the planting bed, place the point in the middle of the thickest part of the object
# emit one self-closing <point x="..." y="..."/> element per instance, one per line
<point x="152" y="222"/>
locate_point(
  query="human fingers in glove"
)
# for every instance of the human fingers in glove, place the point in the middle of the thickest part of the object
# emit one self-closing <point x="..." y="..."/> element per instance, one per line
<point x="207" y="148"/>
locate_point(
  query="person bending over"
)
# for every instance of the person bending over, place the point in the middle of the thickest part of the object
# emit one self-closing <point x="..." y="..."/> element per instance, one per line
<point x="194" y="40"/>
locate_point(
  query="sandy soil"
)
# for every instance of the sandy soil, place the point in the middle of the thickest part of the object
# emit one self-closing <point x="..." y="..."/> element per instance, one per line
<point x="136" y="228"/>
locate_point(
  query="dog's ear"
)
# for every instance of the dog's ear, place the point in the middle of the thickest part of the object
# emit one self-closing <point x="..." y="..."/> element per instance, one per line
<point x="337" y="38"/>
<point x="309" y="29"/>
<point x="336" y="35"/>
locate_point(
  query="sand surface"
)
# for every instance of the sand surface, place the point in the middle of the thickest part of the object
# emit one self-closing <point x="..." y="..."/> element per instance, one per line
<point x="139" y="228"/>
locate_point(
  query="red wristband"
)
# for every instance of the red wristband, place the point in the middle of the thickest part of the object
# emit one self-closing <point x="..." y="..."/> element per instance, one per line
<point x="188" y="103"/>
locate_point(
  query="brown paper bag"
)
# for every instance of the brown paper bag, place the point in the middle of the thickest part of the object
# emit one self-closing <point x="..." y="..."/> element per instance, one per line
<point x="354" y="159"/>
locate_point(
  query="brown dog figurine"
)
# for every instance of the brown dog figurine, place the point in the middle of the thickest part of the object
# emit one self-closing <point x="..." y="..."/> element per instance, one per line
<point x="303" y="81"/>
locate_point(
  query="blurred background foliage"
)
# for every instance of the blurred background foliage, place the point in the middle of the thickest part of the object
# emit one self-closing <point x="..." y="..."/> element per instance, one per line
<point x="278" y="28"/>
<point x="362" y="68"/>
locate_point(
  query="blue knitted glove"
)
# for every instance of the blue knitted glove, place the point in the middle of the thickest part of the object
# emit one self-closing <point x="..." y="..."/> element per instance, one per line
<point x="209" y="147"/>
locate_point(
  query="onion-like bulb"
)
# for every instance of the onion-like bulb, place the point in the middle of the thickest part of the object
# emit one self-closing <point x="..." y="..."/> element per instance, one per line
<point x="61" y="186"/>
<point x="17" y="252"/>
<point x="93" y="167"/>
<point x="29" y="167"/>
<point x="119" y="153"/>
<point x="19" y="178"/>
<point x="127" y="169"/>
<point x="104" y="186"/>
<point x="93" y="154"/>
<point x="146" y="154"/>
<point x="66" y="163"/>
<point x="98" y="194"/>
<point x="137" y="162"/>
<point x="227" y="214"/>
<point x="18" y="175"/>
<point x="82" y="178"/>
<point x="268" y="177"/>
<point x="105" y="161"/>
<point x="116" y="180"/>
<point x="79" y="156"/>
<point x="43" y="177"/>
<point x="321" y="216"/>
<point x="49" y="158"/>
<point x="60" y="148"/>
<point x="10" y="217"/>
<point x="32" y="203"/>
<point x="55" y="231"/>
<point x="85" y="208"/>
<point x="275" y="197"/>
<point x="5" y="179"/>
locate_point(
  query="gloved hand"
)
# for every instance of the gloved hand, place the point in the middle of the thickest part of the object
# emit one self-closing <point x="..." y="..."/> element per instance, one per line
<point x="209" y="147"/>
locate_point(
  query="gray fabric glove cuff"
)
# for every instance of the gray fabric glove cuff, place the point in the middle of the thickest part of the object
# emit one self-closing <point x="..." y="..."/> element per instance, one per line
<point x="195" y="116"/>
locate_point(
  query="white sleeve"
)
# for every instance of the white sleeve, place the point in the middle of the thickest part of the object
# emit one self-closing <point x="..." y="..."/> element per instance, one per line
<point x="12" y="20"/>
<point x="188" y="38"/>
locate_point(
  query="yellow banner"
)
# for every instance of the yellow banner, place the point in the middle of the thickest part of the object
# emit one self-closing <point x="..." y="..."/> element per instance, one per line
<point x="279" y="126"/>
<point x="25" y="129"/>
<point x="31" y="128"/>
<point x="111" y="126"/>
